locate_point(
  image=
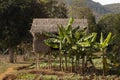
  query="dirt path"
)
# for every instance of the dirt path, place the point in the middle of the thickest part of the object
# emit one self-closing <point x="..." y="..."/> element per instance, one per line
<point x="12" y="69"/>
<point x="8" y="71"/>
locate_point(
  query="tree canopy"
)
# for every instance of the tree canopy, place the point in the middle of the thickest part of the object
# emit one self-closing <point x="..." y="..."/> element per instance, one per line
<point x="16" y="17"/>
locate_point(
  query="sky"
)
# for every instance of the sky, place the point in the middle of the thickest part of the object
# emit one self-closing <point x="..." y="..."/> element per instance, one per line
<point x="104" y="2"/>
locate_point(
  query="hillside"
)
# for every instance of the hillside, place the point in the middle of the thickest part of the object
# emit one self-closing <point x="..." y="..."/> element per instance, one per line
<point x="97" y="8"/>
<point x="114" y="8"/>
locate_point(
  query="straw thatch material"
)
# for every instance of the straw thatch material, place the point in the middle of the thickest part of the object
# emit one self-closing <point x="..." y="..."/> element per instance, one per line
<point x="49" y="25"/>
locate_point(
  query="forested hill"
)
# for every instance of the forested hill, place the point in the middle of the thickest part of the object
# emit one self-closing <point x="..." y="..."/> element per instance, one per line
<point x="115" y="8"/>
<point x="96" y="7"/>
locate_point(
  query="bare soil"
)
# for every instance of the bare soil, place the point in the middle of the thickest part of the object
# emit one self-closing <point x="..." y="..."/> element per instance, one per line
<point x="8" y="71"/>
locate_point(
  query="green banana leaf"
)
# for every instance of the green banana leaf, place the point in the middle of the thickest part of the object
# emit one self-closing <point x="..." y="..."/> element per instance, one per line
<point x="101" y="38"/>
<point x="48" y="34"/>
<point x="107" y="40"/>
<point x="52" y="42"/>
<point x="75" y="47"/>
<point x="84" y="44"/>
<point x="61" y="31"/>
<point x="94" y="37"/>
<point x="70" y="22"/>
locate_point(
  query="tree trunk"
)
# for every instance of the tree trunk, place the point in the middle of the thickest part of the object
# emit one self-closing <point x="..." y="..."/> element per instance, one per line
<point x="11" y="54"/>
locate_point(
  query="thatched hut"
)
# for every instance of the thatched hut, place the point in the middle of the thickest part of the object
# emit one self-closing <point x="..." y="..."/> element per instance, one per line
<point x="49" y="25"/>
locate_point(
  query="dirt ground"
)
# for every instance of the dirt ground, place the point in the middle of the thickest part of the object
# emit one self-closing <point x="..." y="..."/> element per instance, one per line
<point x="8" y="71"/>
<point x="8" y="68"/>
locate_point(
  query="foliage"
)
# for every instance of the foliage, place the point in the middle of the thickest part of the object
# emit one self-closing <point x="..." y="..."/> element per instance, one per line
<point x="110" y="23"/>
<point x="98" y="9"/>
<point x="78" y="9"/>
<point x="77" y="44"/>
<point x="25" y="76"/>
<point x="16" y="17"/>
<point x="102" y="45"/>
<point x="56" y="9"/>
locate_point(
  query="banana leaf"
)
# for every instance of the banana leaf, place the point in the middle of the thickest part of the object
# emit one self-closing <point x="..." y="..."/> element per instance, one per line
<point x="61" y="31"/>
<point x="70" y="22"/>
<point x="101" y="38"/>
<point x="107" y="40"/>
<point x="48" y="34"/>
<point x="84" y="44"/>
<point x="52" y="42"/>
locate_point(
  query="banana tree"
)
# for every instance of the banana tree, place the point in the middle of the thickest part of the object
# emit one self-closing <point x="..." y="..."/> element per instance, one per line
<point x="102" y="45"/>
<point x="65" y="39"/>
<point x="56" y="41"/>
<point x="80" y="42"/>
<point x="86" y="44"/>
<point x="61" y="40"/>
<point x="70" y="42"/>
<point x="72" y="35"/>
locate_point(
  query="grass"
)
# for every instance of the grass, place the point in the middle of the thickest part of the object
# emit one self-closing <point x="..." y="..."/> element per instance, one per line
<point x="28" y="76"/>
<point x="49" y="77"/>
<point x="25" y="76"/>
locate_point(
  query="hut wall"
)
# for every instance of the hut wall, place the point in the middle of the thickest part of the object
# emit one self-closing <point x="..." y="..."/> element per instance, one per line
<point x="39" y="45"/>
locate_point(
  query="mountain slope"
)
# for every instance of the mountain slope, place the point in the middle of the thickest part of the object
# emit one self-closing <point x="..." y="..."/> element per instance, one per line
<point x="114" y="8"/>
<point x="97" y="8"/>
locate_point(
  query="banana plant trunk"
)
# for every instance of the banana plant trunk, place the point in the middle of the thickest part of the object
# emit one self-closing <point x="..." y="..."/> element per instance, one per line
<point x="72" y="64"/>
<point x="104" y="70"/>
<point x="83" y="64"/>
<point x="92" y="63"/>
<point x="60" y="59"/>
<point x="49" y="61"/>
<point x="66" y="62"/>
<point x="76" y="63"/>
<point x="37" y="61"/>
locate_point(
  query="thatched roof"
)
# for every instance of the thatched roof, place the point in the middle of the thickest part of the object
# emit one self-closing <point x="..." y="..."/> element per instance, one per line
<point x="50" y="24"/>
